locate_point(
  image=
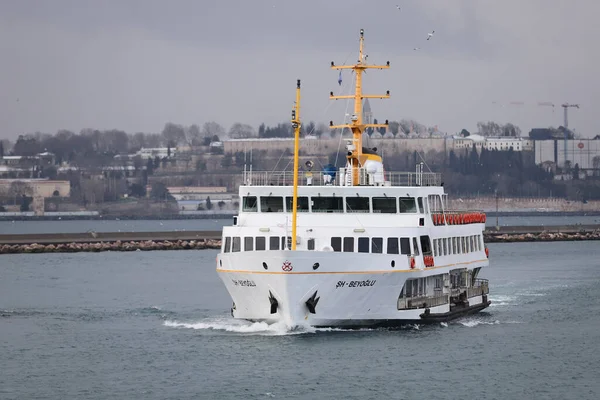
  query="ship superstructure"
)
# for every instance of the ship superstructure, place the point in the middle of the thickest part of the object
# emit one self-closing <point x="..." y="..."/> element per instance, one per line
<point x="352" y="247"/>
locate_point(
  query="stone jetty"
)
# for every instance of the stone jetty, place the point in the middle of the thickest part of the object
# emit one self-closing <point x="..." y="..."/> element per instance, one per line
<point x="545" y="236"/>
<point x="118" y="245"/>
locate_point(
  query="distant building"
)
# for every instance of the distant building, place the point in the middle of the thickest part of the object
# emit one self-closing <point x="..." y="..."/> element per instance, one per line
<point x="493" y="143"/>
<point x="584" y="152"/>
<point x="367" y="113"/>
<point x="160" y="152"/>
<point x="35" y="187"/>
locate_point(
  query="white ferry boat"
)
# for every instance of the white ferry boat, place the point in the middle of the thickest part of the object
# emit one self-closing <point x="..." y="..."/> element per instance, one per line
<point x="354" y="247"/>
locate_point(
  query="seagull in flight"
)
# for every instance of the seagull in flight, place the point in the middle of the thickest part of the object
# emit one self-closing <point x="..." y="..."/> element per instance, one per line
<point x="430" y="35"/>
<point x="398" y="7"/>
<point x="417" y="48"/>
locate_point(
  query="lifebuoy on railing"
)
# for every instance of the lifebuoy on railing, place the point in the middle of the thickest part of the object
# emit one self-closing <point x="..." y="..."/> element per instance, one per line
<point x="412" y="263"/>
<point x="487" y="252"/>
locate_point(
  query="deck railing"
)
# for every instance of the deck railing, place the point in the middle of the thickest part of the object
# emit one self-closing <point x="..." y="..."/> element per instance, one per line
<point x="406" y="303"/>
<point x="451" y="217"/>
<point x="479" y="288"/>
<point x="340" y="178"/>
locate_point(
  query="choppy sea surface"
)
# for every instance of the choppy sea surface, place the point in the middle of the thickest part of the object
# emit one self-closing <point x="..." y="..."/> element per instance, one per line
<point x="156" y="325"/>
<point x="116" y="225"/>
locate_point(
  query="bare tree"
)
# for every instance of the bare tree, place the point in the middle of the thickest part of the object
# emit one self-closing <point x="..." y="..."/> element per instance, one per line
<point x="241" y="131"/>
<point x="210" y="129"/>
<point x="174" y="134"/>
<point x="192" y="135"/>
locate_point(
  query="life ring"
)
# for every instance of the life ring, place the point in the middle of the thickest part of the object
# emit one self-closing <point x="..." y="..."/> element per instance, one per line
<point x="487" y="252"/>
<point x="412" y="263"/>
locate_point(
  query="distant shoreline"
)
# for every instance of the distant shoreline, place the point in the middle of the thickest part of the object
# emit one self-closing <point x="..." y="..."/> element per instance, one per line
<point x="490" y="214"/>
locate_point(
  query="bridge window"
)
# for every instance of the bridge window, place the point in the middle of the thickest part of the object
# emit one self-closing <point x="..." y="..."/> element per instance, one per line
<point x="376" y="245"/>
<point x="363" y="245"/>
<point x="227" y="247"/>
<point x="248" y="243"/>
<point x="415" y="247"/>
<point x="404" y="246"/>
<point x="283" y="243"/>
<point x="250" y="204"/>
<point x="302" y="204"/>
<point x="407" y="205"/>
<point x="357" y="204"/>
<point x="236" y="244"/>
<point x="327" y="204"/>
<point x="392" y="246"/>
<point x="385" y="205"/>
<point x="336" y="243"/>
<point x="274" y="243"/>
<point x="349" y="244"/>
<point x="271" y="204"/>
<point x="310" y="244"/>
<point x="445" y="245"/>
<point x="260" y="243"/>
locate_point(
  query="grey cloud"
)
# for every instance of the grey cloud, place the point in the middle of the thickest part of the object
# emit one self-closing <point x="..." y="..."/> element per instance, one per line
<point x="135" y="65"/>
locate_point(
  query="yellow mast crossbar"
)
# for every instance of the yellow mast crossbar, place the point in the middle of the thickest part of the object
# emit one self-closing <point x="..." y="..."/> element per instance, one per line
<point x="357" y="127"/>
<point x="296" y="125"/>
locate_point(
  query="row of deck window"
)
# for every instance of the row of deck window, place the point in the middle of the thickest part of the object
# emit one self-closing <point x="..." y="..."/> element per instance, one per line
<point x="379" y="245"/>
<point x="259" y="243"/>
<point x="335" y="204"/>
<point x="457" y="245"/>
<point x="390" y="245"/>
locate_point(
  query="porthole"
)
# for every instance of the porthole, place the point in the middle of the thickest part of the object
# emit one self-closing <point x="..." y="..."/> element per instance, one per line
<point x="316" y="266"/>
<point x="393" y="263"/>
<point x="221" y="263"/>
<point x="265" y="266"/>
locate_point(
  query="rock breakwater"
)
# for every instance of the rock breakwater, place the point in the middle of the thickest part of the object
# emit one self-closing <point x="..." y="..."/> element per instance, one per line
<point x="118" y="245"/>
<point x="541" y="237"/>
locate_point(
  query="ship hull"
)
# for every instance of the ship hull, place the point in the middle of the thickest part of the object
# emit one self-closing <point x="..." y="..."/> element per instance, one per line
<point x="327" y="289"/>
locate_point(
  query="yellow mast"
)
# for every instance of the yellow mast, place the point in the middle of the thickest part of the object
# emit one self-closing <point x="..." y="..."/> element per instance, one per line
<point x="355" y="159"/>
<point x="296" y="124"/>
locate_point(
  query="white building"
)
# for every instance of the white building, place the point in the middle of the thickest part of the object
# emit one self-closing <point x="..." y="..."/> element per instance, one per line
<point x="493" y="143"/>
<point x="160" y="152"/>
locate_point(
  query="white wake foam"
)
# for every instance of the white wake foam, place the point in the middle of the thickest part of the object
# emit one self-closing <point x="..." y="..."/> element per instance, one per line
<point x="502" y="300"/>
<point x="470" y="323"/>
<point x="237" y="326"/>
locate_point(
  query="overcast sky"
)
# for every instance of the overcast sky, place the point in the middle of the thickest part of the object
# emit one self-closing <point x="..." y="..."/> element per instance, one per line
<point x="137" y="64"/>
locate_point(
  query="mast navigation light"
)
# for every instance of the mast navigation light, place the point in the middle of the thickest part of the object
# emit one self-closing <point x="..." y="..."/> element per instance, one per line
<point x="386" y="122"/>
<point x="330" y="123"/>
<point x="332" y="64"/>
<point x="354" y="117"/>
<point x="362" y="32"/>
<point x="331" y="93"/>
<point x="387" y="63"/>
<point x="387" y="93"/>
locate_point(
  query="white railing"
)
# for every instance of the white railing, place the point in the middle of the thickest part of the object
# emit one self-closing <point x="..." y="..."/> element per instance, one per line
<point x="406" y="303"/>
<point x="342" y="177"/>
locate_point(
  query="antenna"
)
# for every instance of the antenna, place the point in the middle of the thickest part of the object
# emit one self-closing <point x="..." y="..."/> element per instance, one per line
<point x="355" y="157"/>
